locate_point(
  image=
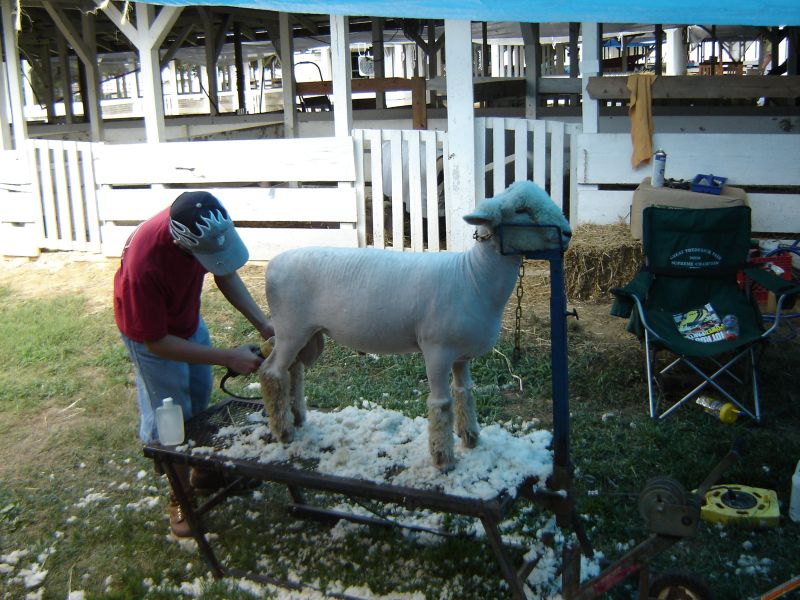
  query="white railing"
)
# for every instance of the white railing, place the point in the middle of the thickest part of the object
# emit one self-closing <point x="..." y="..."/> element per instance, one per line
<point x="406" y="168"/>
<point x="508" y="150"/>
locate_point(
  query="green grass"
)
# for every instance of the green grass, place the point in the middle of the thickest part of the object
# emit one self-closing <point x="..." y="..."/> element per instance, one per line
<point x="79" y="498"/>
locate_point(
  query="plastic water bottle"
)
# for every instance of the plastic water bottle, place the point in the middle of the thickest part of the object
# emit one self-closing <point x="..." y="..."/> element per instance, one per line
<point x="724" y="411"/>
<point x="169" y="423"/>
<point x="794" y="504"/>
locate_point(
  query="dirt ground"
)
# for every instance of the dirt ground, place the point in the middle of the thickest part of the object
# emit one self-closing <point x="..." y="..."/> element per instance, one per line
<point x="92" y="276"/>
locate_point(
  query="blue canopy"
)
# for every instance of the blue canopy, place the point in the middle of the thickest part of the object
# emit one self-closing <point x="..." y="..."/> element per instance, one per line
<point x="684" y="12"/>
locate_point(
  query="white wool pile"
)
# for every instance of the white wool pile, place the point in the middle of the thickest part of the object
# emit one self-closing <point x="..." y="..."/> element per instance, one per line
<point x="387" y="447"/>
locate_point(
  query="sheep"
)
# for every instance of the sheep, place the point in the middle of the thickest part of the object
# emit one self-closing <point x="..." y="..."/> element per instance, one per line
<point x="448" y="305"/>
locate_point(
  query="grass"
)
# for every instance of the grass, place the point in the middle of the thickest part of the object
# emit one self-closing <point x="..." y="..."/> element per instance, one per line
<point x="79" y="500"/>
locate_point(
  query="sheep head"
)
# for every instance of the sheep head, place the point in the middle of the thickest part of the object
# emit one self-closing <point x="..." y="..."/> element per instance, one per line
<point x="523" y="203"/>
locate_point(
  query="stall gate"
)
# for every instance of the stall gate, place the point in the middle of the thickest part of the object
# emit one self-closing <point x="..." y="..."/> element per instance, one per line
<point x="49" y="199"/>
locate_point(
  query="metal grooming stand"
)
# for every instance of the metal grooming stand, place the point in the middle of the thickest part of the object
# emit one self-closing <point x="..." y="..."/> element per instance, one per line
<point x="555" y="496"/>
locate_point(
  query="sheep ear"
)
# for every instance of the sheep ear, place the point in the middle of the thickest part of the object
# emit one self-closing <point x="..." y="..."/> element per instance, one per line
<point x="478" y="219"/>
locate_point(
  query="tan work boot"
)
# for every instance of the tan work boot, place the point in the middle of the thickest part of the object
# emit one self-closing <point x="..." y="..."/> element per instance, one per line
<point x="178" y="525"/>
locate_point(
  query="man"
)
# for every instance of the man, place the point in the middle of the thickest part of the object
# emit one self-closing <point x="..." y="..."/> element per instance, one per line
<point x="157" y="309"/>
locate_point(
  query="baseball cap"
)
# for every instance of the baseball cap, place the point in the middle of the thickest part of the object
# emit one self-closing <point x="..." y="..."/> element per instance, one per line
<point x="199" y="223"/>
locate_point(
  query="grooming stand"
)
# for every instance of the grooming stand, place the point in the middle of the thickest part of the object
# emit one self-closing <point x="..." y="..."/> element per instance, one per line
<point x="555" y="496"/>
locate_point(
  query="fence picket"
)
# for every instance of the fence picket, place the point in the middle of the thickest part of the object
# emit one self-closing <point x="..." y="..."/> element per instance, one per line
<point x="376" y="154"/>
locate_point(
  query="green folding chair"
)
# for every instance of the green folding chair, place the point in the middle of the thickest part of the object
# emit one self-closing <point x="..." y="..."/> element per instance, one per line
<point x="691" y="261"/>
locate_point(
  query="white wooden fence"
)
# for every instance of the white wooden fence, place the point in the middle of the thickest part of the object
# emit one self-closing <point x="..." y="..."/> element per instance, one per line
<point x="508" y="150"/>
<point x="765" y="163"/>
<point x="287" y="193"/>
<point x="281" y="193"/>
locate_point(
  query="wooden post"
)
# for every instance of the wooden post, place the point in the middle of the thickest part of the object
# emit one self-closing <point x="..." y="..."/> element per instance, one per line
<point x="19" y="126"/>
<point x="240" y="82"/>
<point x="378" y="59"/>
<point x="677" y="52"/>
<point x="658" y="34"/>
<point x="341" y="76"/>
<point x="533" y="71"/>
<point x="152" y="92"/>
<point x="66" y="77"/>
<point x="286" y="43"/>
<point x="574" y="32"/>
<point x="211" y="61"/>
<point x="590" y="66"/>
<point x="6" y="142"/>
<point x="460" y="180"/>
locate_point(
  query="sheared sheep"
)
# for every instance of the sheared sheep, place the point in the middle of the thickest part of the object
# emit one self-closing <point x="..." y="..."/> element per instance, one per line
<point x="447" y="305"/>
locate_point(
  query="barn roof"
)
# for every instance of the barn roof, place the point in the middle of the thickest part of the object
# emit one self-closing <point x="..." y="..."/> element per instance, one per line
<point x="709" y="12"/>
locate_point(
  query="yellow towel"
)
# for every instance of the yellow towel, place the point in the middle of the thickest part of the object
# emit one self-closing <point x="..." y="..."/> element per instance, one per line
<point x="640" y="110"/>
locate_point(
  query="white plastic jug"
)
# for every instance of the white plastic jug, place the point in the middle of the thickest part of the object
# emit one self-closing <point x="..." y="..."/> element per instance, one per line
<point x="169" y="423"/>
<point x="794" y="504"/>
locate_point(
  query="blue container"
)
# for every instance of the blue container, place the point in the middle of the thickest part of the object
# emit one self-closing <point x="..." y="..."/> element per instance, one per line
<point x="708" y="184"/>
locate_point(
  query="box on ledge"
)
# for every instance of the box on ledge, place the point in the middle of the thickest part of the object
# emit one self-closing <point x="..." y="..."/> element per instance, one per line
<point x="708" y="184"/>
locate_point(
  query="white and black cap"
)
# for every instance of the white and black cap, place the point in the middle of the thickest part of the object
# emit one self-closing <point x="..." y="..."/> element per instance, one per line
<point x="200" y="224"/>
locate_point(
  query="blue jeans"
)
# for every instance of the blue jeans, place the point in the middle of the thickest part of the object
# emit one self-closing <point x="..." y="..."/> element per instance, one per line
<point x="189" y="385"/>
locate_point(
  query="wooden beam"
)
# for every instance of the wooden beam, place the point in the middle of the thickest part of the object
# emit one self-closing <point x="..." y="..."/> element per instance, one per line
<point x="697" y="87"/>
<point x="177" y="44"/>
<point x="306" y="23"/>
<point x="69" y="31"/>
<point x="389" y="84"/>
<point x="116" y="17"/>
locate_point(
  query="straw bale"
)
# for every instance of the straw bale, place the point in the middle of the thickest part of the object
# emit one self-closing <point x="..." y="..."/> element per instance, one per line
<point x="599" y="258"/>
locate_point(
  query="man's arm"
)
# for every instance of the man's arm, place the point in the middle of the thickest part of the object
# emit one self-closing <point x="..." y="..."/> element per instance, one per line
<point x="171" y="347"/>
<point x="234" y="290"/>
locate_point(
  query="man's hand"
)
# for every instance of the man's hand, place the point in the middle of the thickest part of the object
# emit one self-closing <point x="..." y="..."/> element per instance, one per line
<point x="243" y="359"/>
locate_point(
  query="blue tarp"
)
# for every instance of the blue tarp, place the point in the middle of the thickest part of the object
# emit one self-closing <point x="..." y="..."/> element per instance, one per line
<point x="684" y="12"/>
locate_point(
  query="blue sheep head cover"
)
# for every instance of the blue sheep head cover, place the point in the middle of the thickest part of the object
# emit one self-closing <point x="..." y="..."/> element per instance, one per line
<point x="523" y="203"/>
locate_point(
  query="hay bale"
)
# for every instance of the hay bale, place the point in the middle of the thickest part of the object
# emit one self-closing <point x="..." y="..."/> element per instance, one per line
<point x="599" y="258"/>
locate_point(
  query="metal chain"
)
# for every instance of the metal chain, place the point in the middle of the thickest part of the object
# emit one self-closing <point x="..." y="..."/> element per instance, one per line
<point x="518" y="314"/>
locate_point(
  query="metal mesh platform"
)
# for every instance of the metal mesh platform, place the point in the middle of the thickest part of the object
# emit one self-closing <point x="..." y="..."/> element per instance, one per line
<point x="203" y="429"/>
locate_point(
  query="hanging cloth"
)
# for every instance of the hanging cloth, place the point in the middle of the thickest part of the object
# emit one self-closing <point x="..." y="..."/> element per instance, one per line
<point x="640" y="110"/>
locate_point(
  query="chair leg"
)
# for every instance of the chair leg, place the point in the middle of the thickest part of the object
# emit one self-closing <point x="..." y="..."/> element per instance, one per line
<point x="649" y="358"/>
<point x="754" y="375"/>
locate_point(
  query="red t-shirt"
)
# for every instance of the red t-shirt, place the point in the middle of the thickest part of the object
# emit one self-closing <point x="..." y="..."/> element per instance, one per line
<point x="157" y="287"/>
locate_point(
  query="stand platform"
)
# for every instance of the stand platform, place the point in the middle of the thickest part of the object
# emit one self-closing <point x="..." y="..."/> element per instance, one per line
<point x="210" y="448"/>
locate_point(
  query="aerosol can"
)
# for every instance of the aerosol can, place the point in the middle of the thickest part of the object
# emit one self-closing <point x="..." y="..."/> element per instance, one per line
<point x="659" y="168"/>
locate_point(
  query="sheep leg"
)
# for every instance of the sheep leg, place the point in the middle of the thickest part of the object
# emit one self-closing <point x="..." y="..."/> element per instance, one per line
<point x="296" y="380"/>
<point x="440" y="413"/>
<point x="306" y="357"/>
<point x="278" y="390"/>
<point x="465" y="417"/>
<point x="275" y="391"/>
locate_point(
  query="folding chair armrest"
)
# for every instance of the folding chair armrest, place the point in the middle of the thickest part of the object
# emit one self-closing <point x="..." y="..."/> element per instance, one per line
<point x="770" y="281"/>
<point x="625" y="297"/>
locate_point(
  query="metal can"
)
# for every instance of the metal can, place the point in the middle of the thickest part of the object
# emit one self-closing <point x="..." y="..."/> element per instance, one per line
<point x="731" y="323"/>
<point x="659" y="167"/>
